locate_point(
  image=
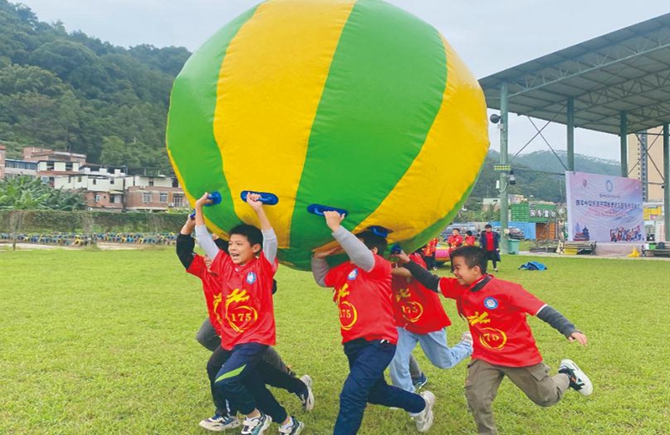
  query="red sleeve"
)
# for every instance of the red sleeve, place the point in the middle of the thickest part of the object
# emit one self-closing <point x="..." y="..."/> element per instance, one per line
<point x="333" y="276"/>
<point x="198" y="266"/>
<point x="381" y="269"/>
<point x="450" y="288"/>
<point x="523" y="300"/>
<point x="267" y="267"/>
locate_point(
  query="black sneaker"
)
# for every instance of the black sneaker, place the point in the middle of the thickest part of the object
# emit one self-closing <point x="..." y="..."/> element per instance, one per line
<point x="578" y="379"/>
<point x="420" y="382"/>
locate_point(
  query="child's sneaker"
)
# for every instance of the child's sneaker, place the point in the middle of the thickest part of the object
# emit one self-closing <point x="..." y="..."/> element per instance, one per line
<point x="420" y="382"/>
<point x="467" y="337"/>
<point x="307" y="396"/>
<point x="425" y="419"/>
<point x="293" y="428"/>
<point x="219" y="423"/>
<point x="256" y="426"/>
<point x="578" y="379"/>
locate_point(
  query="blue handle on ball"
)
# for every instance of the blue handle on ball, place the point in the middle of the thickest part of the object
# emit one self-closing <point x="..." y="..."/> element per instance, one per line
<point x="266" y="198"/>
<point x="396" y="249"/>
<point x="191" y="216"/>
<point x="379" y="231"/>
<point x="319" y="209"/>
<point x="215" y="197"/>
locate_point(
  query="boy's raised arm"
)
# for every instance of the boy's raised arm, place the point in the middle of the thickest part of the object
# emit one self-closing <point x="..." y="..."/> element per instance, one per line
<point x="204" y="238"/>
<point x="269" y="237"/>
<point x="358" y="253"/>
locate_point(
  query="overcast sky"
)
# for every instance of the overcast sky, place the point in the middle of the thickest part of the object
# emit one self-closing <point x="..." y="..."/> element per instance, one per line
<point x="488" y="35"/>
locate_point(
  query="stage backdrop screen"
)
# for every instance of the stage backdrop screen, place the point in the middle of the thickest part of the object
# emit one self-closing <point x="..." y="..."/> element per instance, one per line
<point x="604" y="208"/>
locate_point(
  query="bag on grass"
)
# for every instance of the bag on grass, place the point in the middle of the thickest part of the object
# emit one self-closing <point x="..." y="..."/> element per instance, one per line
<point x="533" y="265"/>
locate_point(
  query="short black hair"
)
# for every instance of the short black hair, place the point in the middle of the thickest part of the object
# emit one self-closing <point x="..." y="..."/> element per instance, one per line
<point x="372" y="240"/>
<point x="487" y="226"/>
<point x="473" y="256"/>
<point x="253" y="234"/>
<point x="469" y="233"/>
<point x="456" y="229"/>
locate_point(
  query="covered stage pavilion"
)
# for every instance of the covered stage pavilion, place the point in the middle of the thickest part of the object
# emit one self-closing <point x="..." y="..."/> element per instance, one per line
<point x="618" y="83"/>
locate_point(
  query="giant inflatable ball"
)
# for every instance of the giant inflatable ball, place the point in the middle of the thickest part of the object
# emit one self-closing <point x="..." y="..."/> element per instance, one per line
<point x="356" y="105"/>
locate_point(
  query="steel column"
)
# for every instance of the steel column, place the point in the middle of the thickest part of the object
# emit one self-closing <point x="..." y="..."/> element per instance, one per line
<point x="666" y="180"/>
<point x="623" y="136"/>
<point x="504" y="159"/>
<point x="571" y="134"/>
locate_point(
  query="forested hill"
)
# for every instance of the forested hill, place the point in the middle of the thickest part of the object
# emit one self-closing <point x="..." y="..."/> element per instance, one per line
<point x="538" y="174"/>
<point x="69" y="91"/>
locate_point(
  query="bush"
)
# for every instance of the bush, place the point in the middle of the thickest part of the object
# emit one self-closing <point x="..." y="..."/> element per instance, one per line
<point x="89" y="222"/>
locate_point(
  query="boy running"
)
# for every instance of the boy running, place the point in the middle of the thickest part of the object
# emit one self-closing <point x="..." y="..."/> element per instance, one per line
<point x="363" y="296"/>
<point x="247" y="318"/>
<point x="420" y="318"/>
<point x="496" y="311"/>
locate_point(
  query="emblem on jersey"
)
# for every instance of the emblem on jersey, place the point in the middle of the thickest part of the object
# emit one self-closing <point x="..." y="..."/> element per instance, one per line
<point x="251" y="277"/>
<point x="352" y="275"/>
<point x="491" y="303"/>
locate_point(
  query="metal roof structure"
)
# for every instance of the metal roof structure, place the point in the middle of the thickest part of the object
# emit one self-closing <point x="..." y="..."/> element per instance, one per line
<point x="623" y="72"/>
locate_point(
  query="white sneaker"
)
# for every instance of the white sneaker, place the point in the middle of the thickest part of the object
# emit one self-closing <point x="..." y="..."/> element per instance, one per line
<point x="219" y="423"/>
<point x="467" y="337"/>
<point x="307" y="398"/>
<point x="578" y="379"/>
<point x="425" y="420"/>
<point x="296" y="427"/>
<point x="256" y="426"/>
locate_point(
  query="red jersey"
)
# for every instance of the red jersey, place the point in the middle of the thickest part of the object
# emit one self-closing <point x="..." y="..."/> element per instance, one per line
<point x="416" y="308"/>
<point x="211" y="286"/>
<point x="364" y="301"/>
<point x="455" y="241"/>
<point x="497" y="314"/>
<point x="470" y="240"/>
<point x="490" y="246"/>
<point x="246" y="300"/>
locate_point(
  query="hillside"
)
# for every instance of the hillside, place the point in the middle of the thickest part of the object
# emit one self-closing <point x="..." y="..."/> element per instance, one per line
<point x="69" y="91"/>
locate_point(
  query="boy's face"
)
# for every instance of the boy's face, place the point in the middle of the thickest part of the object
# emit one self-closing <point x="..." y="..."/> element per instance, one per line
<point x="489" y="229"/>
<point x="455" y="232"/>
<point x="240" y="250"/>
<point x="464" y="274"/>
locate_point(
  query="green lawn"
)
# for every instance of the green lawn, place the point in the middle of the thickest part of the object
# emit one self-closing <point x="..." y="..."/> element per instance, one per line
<point x="102" y="342"/>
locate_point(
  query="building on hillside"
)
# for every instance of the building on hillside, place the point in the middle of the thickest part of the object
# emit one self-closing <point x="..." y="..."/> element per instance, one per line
<point x="645" y="162"/>
<point x="153" y="193"/>
<point x="34" y="154"/>
<point x="48" y="170"/>
<point x="3" y="154"/>
<point x="103" y="188"/>
<point x="15" y="168"/>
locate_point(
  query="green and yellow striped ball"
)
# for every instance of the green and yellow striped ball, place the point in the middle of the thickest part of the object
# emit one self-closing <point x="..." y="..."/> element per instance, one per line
<point x="353" y="104"/>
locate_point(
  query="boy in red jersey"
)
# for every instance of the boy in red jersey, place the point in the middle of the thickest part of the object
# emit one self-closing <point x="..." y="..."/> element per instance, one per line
<point x="470" y="239"/>
<point x="489" y="241"/>
<point x="363" y="297"/>
<point x="496" y="311"/>
<point x="420" y="318"/>
<point x="247" y="314"/>
<point x="455" y="240"/>
<point x="273" y="369"/>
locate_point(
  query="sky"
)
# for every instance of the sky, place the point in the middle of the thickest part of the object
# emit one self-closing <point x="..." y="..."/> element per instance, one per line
<point x="488" y="35"/>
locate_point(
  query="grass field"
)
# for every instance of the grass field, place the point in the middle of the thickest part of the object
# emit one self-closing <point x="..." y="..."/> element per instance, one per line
<point x="102" y="342"/>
